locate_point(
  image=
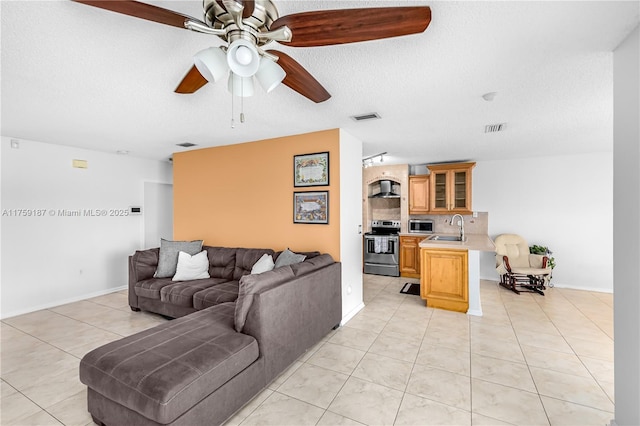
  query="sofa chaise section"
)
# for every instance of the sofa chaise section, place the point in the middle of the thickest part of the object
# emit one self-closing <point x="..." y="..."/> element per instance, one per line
<point x="158" y="375"/>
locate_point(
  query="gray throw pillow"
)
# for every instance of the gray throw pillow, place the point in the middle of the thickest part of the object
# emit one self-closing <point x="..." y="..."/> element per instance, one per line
<point x="288" y="257"/>
<point x="168" y="259"/>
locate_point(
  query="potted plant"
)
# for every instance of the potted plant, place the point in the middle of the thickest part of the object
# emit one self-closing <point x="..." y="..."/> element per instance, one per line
<point x="536" y="249"/>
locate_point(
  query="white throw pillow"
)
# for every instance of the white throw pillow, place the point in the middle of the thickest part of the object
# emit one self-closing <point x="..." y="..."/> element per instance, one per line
<point x="264" y="264"/>
<point x="194" y="267"/>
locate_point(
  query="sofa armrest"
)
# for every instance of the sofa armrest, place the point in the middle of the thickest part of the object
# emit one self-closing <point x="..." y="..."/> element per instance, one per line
<point x="142" y="266"/>
<point x="290" y="318"/>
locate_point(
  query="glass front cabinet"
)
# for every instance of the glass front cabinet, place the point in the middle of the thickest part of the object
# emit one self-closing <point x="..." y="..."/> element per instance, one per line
<point x="451" y="187"/>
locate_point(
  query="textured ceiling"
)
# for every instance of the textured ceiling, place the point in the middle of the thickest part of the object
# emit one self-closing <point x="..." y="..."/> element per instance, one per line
<point x="77" y="75"/>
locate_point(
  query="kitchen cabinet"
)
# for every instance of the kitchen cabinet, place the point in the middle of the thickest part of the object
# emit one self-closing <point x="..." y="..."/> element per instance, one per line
<point x="444" y="278"/>
<point x="419" y="194"/>
<point x="450" y="190"/>
<point x="410" y="256"/>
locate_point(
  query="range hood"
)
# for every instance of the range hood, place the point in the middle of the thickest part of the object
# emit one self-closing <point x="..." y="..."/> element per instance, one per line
<point x="385" y="190"/>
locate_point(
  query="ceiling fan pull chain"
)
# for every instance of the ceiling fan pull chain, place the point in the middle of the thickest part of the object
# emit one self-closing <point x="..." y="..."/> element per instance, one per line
<point x="233" y="124"/>
<point x="242" y="104"/>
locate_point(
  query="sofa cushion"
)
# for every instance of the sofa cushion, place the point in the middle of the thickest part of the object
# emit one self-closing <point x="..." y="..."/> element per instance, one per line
<point x="312" y="264"/>
<point x="168" y="259"/>
<point x="190" y="267"/>
<point x="181" y="293"/>
<point x="288" y="257"/>
<point x="161" y="372"/>
<point x="246" y="258"/>
<point x="220" y="293"/>
<point x="222" y="261"/>
<point x="151" y="288"/>
<point x="251" y="284"/>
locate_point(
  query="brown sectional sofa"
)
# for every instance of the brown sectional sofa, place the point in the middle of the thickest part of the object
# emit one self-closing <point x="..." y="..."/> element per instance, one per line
<point x="236" y="333"/>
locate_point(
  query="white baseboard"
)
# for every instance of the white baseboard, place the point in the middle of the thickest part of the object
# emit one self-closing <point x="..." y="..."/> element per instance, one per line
<point x="573" y="287"/>
<point x="354" y="311"/>
<point x="57" y="303"/>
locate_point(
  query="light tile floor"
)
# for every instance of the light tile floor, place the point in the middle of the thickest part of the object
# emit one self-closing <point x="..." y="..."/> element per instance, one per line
<point x="530" y="360"/>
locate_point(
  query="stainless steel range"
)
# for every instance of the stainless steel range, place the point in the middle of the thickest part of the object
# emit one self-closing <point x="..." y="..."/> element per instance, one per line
<point x="381" y="248"/>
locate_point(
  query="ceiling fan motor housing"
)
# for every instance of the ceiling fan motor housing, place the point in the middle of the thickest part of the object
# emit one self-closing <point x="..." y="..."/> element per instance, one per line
<point x="264" y="14"/>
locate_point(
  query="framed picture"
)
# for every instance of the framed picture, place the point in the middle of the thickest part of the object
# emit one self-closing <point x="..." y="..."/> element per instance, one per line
<point x="311" y="207"/>
<point x="311" y="169"/>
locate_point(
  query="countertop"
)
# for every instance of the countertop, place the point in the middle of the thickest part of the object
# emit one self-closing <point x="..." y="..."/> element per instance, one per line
<point x="479" y="242"/>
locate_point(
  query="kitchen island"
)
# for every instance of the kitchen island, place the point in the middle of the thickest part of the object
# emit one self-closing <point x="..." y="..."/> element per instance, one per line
<point x="450" y="272"/>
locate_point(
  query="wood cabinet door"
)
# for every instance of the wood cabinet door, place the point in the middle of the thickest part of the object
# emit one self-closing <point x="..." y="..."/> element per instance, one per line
<point x="440" y="191"/>
<point x="460" y="190"/>
<point x="419" y="194"/>
<point x="409" y="257"/>
<point x="444" y="279"/>
<point x="450" y="190"/>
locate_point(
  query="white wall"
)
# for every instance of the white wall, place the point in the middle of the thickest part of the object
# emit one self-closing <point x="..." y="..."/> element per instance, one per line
<point x="351" y="223"/>
<point x="626" y="108"/>
<point x="563" y="202"/>
<point x="53" y="259"/>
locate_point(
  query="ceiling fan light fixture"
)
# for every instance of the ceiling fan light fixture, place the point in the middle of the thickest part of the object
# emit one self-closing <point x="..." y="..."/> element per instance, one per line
<point x="240" y="86"/>
<point x="269" y="74"/>
<point x="243" y="58"/>
<point x="211" y="63"/>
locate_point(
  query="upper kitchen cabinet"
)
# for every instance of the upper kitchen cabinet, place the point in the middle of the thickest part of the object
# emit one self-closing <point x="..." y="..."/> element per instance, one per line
<point x="450" y="190"/>
<point x="419" y="194"/>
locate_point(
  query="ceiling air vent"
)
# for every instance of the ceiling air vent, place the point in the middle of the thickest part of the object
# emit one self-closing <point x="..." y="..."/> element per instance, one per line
<point x="368" y="116"/>
<point x="186" y="144"/>
<point x="492" y="128"/>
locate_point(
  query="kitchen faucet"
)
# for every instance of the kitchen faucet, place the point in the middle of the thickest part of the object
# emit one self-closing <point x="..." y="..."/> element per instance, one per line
<point x="461" y="223"/>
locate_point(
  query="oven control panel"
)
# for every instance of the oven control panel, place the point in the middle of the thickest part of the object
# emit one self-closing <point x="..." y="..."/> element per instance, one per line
<point x="385" y="224"/>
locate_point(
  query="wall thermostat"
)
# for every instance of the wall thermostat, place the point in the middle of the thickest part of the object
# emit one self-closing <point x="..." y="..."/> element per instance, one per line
<point x="135" y="210"/>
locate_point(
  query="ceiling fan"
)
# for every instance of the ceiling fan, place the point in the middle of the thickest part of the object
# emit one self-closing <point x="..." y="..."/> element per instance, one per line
<point x="248" y="25"/>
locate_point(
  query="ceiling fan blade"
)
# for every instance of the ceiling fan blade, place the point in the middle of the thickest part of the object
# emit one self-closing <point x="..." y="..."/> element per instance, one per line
<point x="191" y="82"/>
<point x="142" y="11"/>
<point x="249" y="5"/>
<point x="327" y="27"/>
<point x="299" y="79"/>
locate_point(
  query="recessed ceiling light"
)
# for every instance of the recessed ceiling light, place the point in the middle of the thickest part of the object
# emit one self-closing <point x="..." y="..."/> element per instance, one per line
<point x="186" y="144"/>
<point x="367" y="116"/>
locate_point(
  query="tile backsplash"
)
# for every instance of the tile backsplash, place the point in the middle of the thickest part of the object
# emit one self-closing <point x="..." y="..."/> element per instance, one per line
<point x="472" y="225"/>
<point x="385" y="208"/>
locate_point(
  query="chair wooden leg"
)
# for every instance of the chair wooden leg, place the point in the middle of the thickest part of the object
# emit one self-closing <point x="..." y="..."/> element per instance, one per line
<point x="509" y="282"/>
<point x="513" y="285"/>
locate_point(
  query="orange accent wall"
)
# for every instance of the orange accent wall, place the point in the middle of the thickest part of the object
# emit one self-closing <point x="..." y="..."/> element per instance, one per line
<point x="242" y="195"/>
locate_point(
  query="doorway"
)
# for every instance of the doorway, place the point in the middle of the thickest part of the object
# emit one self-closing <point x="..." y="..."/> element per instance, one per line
<point x="157" y="213"/>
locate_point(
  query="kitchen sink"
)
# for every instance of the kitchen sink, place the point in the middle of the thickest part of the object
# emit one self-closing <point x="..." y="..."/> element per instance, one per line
<point x="445" y="238"/>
